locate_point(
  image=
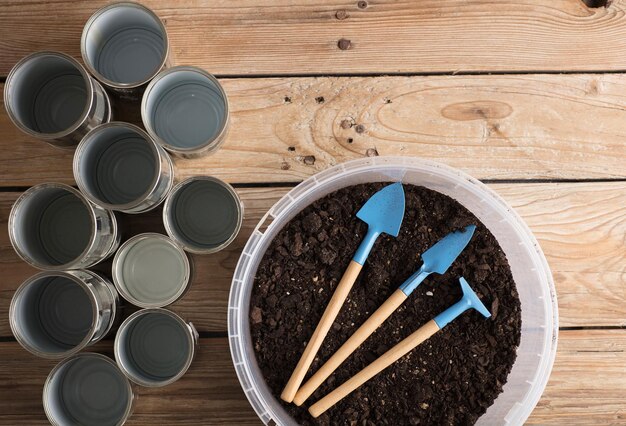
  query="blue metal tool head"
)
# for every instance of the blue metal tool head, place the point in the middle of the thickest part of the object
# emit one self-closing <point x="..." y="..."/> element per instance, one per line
<point x="384" y="211"/>
<point x="472" y="301"/>
<point x="469" y="301"/>
<point x="439" y="257"/>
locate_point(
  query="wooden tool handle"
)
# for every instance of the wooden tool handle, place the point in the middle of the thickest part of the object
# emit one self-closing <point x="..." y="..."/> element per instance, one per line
<point x="384" y="361"/>
<point x="359" y="336"/>
<point x="335" y="304"/>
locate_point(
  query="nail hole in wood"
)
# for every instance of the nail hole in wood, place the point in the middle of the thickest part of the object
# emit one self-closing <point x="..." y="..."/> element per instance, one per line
<point x="362" y="4"/>
<point x="341" y="15"/>
<point x="319" y="99"/>
<point x="287" y="99"/>
<point x="594" y="4"/>
<point x="350" y="140"/>
<point x="291" y="149"/>
<point x="346" y="124"/>
<point x="344" y="44"/>
<point x="359" y="128"/>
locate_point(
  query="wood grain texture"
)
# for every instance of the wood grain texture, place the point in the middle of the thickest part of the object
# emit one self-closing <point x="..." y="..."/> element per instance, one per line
<point x="209" y="394"/>
<point x="580" y="227"/>
<point x="504" y="127"/>
<point x="588" y="374"/>
<point x="285" y="37"/>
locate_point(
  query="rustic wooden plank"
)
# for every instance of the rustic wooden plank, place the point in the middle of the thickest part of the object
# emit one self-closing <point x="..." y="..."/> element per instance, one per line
<point x="495" y="127"/>
<point x="588" y="382"/>
<point x="286" y="37"/>
<point x="208" y="394"/>
<point x="580" y="226"/>
<point x="586" y="387"/>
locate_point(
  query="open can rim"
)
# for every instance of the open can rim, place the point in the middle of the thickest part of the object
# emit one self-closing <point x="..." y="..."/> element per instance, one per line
<point x="209" y="145"/>
<point x="83" y="45"/>
<point x="118" y="281"/>
<point x="46" y="387"/>
<point x="192" y="342"/>
<point x="83" y="116"/>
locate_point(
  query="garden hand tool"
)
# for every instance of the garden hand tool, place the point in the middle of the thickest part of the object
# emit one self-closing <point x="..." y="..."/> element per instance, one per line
<point x="383" y="213"/>
<point x="436" y="259"/>
<point x="469" y="301"/>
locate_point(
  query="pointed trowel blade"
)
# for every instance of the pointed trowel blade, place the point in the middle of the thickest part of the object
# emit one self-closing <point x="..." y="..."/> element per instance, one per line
<point x="384" y="211"/>
<point x="439" y="257"/>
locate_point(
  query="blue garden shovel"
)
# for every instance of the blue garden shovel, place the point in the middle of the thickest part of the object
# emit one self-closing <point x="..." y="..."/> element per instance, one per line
<point x="469" y="301"/>
<point x="383" y="213"/>
<point x="436" y="259"/>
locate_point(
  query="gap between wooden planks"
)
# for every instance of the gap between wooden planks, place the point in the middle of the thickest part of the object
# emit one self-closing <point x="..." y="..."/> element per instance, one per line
<point x="580" y="227"/>
<point x="252" y="37"/>
<point x="586" y="386"/>
<point x="493" y="127"/>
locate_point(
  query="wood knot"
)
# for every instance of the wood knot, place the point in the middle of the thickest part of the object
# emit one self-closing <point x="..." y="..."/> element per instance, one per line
<point x="477" y="110"/>
<point x="344" y="44"/>
<point x="359" y="128"/>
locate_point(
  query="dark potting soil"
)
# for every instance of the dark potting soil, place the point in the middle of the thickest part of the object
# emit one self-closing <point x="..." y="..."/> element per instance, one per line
<point x="451" y="378"/>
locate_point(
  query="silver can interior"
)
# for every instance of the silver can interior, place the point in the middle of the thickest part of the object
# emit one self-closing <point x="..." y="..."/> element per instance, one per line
<point x="151" y="271"/>
<point x="117" y="165"/>
<point x="52" y="314"/>
<point x="204" y="214"/>
<point x="87" y="390"/>
<point x="186" y="109"/>
<point x="125" y="44"/>
<point x="48" y="94"/>
<point x="154" y="348"/>
<point x="52" y="226"/>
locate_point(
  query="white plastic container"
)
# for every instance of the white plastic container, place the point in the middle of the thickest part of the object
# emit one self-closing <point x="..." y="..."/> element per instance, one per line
<point x="532" y="275"/>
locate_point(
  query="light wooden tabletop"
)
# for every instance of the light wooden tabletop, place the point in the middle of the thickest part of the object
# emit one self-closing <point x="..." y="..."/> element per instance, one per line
<point x="528" y="96"/>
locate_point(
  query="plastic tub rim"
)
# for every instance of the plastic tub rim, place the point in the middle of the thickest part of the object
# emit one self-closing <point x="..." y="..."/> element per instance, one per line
<point x="522" y="409"/>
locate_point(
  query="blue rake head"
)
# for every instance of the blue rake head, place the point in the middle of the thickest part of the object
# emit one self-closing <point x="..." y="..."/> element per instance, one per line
<point x="468" y="301"/>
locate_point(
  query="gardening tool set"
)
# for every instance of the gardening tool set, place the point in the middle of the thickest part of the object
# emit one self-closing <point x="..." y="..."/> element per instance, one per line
<point x="383" y="212"/>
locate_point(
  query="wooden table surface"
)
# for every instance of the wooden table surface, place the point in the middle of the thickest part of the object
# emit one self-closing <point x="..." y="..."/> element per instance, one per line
<point x="528" y="96"/>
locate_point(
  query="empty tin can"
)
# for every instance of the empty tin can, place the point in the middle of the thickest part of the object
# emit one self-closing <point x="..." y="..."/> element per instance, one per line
<point x="124" y="45"/>
<point x="151" y="271"/>
<point x="203" y="214"/>
<point x="186" y="110"/>
<point x="120" y="167"/>
<point x="52" y="226"/>
<point x="87" y="389"/>
<point x="50" y="95"/>
<point x="56" y="314"/>
<point x="155" y="347"/>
